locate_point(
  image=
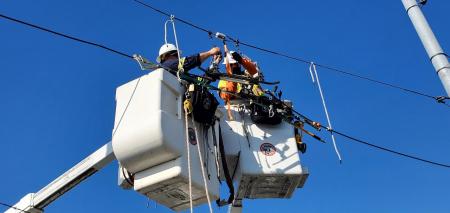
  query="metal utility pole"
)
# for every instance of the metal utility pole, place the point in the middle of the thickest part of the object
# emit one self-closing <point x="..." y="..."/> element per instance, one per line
<point x="429" y="41"/>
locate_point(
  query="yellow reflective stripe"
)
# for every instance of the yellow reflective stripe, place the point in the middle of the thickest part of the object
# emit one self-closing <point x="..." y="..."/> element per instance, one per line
<point x="181" y="63"/>
<point x="222" y="84"/>
<point x="256" y="89"/>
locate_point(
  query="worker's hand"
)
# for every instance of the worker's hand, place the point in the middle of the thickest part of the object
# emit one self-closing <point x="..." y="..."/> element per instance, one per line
<point x="214" y="51"/>
<point x="237" y="57"/>
<point x="217" y="58"/>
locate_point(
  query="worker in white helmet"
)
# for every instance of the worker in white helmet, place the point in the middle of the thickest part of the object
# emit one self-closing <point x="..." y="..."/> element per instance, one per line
<point x="168" y="58"/>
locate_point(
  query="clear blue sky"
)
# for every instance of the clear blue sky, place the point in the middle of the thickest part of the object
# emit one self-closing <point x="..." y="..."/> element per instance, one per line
<point x="58" y="95"/>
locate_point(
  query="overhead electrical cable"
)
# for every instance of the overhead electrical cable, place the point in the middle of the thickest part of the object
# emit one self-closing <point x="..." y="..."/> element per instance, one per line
<point x="327" y="67"/>
<point x="372" y="145"/>
<point x="67" y="36"/>
<point x="388" y="150"/>
<point x="351" y="137"/>
<point x="215" y="88"/>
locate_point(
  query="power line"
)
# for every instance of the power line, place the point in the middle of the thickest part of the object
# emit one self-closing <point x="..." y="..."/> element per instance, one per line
<point x="178" y="19"/>
<point x="66" y="36"/>
<point x="308" y="120"/>
<point x="85" y="42"/>
<point x="372" y="145"/>
<point x="10" y="206"/>
<point x="440" y="98"/>
<point x="388" y="150"/>
<point x="327" y="67"/>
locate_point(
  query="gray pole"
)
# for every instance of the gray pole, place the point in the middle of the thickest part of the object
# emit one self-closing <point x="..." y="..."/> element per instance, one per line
<point x="429" y="41"/>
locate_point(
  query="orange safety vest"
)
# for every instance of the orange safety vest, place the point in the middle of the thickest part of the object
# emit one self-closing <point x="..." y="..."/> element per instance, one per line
<point x="232" y="86"/>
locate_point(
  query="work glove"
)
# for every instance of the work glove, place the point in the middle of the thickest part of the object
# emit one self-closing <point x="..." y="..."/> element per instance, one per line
<point x="237" y="57"/>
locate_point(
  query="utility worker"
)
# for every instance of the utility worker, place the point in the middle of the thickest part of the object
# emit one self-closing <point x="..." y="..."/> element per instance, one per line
<point x="168" y="58"/>
<point x="233" y="64"/>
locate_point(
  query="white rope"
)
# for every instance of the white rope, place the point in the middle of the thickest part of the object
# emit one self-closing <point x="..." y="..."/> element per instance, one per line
<point x="201" y="166"/>
<point x="312" y="67"/>
<point x="188" y="158"/>
<point x="172" y="19"/>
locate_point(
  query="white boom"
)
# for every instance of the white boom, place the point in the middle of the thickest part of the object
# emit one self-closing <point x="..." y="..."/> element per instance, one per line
<point x="36" y="202"/>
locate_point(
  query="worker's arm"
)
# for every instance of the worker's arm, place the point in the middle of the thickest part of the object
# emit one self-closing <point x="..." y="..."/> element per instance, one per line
<point x="227" y="64"/>
<point x="204" y="55"/>
<point x="196" y="60"/>
<point x="249" y="65"/>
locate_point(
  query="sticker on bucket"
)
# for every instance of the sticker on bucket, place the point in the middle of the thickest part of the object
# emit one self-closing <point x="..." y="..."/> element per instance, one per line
<point x="267" y="149"/>
<point x="192" y="138"/>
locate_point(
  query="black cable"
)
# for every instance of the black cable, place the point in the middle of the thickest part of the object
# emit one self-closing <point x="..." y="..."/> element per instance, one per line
<point x="66" y="36"/>
<point x="169" y="15"/>
<point x="336" y="70"/>
<point x="292" y="57"/>
<point x="347" y="136"/>
<point x="232" y="39"/>
<point x="251" y="46"/>
<point x="10" y="206"/>
<point x="386" y="149"/>
<point x="376" y="81"/>
<point x="86" y="42"/>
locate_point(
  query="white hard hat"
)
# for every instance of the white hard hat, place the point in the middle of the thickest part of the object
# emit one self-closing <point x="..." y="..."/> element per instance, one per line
<point x="165" y="48"/>
<point x="230" y="58"/>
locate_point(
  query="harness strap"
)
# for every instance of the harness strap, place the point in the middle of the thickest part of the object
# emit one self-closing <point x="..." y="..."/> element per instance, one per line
<point x="228" y="178"/>
<point x="216" y="153"/>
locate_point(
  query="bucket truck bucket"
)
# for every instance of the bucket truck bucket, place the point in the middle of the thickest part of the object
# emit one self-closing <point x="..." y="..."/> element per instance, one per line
<point x="269" y="164"/>
<point x="149" y="121"/>
<point x="149" y="141"/>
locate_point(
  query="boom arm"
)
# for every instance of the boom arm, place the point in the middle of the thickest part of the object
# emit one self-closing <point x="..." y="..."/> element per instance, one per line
<point x="36" y="202"/>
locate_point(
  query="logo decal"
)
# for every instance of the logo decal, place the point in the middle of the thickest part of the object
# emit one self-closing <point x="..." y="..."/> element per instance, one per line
<point x="268" y="149"/>
<point x="192" y="138"/>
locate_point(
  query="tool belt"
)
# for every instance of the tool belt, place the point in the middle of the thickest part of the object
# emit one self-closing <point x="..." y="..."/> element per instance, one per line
<point x="204" y="105"/>
<point x="263" y="112"/>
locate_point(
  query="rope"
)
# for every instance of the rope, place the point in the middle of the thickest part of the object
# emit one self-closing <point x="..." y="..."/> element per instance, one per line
<point x="180" y="65"/>
<point x="188" y="157"/>
<point x="201" y="166"/>
<point x="312" y="68"/>
<point x="126" y="107"/>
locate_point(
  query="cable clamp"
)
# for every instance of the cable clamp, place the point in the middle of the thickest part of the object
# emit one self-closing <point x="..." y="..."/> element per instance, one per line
<point x="221" y="36"/>
<point x="210" y="34"/>
<point x="441" y="99"/>
<point x="144" y="63"/>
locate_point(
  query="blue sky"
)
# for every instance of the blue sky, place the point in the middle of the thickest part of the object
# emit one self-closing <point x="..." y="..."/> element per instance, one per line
<point x="58" y="96"/>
